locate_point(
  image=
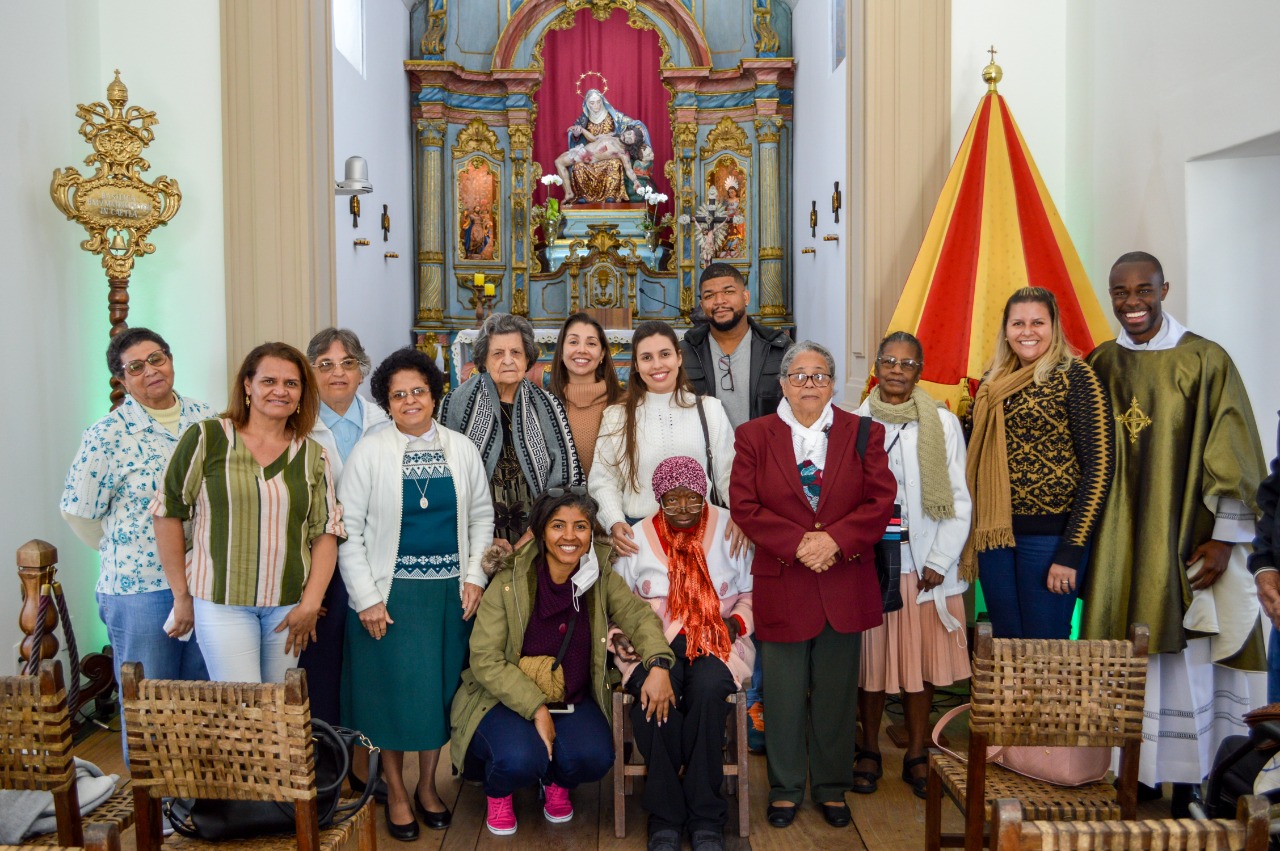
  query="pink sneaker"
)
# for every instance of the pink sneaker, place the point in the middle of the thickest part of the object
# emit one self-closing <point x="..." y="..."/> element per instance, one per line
<point x="557" y="808"/>
<point x="501" y="819"/>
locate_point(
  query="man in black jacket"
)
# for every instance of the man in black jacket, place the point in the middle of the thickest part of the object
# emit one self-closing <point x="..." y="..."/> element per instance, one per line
<point x="734" y="358"/>
<point x="1264" y="563"/>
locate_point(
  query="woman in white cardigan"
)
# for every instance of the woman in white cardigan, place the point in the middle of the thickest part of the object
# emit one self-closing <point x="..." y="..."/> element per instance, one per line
<point x="660" y="417"/>
<point x="923" y="644"/>
<point x="416" y="497"/>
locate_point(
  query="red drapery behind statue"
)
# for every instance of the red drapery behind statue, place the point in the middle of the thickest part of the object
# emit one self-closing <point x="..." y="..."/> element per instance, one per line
<point x="629" y="60"/>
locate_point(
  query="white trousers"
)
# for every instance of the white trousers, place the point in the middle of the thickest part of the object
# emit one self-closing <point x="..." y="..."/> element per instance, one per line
<point x="240" y="643"/>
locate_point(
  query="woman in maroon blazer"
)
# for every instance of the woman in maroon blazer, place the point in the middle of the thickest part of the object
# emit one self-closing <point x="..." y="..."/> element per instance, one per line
<point x="815" y="511"/>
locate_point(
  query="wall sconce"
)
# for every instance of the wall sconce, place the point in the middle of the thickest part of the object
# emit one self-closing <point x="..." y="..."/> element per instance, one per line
<point x="813" y="219"/>
<point x="355" y="183"/>
<point x="835" y="202"/>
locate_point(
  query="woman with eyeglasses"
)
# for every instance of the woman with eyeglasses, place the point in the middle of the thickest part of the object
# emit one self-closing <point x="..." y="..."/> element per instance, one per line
<point x="1041" y="458"/>
<point x="702" y="592"/>
<point x="419" y="519"/>
<point x="815" y="510"/>
<point x="659" y="417"/>
<point x="264" y="522"/>
<point x="921" y="645"/>
<point x="584" y="380"/>
<point x="535" y="703"/>
<point x="340" y="365"/>
<point x="520" y="429"/>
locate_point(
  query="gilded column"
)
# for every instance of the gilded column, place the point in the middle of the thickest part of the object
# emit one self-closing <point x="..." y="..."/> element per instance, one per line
<point x="523" y="175"/>
<point x="431" y="222"/>
<point x="773" y="295"/>
<point x="680" y="172"/>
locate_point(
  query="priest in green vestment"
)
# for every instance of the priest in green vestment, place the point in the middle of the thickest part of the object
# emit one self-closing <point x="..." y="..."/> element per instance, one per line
<point x="1171" y="549"/>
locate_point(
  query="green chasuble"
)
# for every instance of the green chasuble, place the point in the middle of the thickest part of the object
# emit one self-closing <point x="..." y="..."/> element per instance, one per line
<point x="1184" y="432"/>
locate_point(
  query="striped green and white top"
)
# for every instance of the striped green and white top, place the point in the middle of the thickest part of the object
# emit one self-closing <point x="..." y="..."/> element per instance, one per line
<point x="252" y="526"/>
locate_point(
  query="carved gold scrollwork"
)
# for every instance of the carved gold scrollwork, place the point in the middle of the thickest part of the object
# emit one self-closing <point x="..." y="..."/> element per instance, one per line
<point x="686" y="135"/>
<point x="766" y="36"/>
<point x="476" y="137"/>
<point x="727" y="136"/>
<point x="115" y="205"/>
<point x="638" y="20"/>
<point x="431" y="133"/>
<point x="521" y="137"/>
<point x="437" y="27"/>
<point x="600" y="9"/>
<point x="768" y="129"/>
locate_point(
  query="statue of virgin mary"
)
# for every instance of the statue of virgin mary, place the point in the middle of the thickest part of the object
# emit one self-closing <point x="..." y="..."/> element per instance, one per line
<point x="602" y="145"/>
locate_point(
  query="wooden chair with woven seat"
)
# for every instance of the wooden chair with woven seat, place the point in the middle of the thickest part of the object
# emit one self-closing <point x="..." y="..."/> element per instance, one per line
<point x="35" y="754"/>
<point x="234" y="741"/>
<point x="1247" y="832"/>
<point x="97" y="837"/>
<point x="1043" y="693"/>
<point x="624" y="769"/>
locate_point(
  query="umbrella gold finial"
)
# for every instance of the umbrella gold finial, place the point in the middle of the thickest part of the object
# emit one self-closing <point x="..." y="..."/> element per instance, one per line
<point x="992" y="74"/>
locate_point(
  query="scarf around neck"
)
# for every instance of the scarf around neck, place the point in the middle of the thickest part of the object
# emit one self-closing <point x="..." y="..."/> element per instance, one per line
<point x="931" y="447"/>
<point x="809" y="442"/>
<point x="987" y="470"/>
<point x="692" y="597"/>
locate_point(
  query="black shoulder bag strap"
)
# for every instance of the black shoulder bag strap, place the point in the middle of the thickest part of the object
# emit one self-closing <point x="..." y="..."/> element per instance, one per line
<point x="711" y="468"/>
<point x="864" y="434"/>
<point x="564" y="645"/>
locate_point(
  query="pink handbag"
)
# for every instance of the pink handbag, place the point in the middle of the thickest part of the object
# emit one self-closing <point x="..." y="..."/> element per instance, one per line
<point x="1061" y="766"/>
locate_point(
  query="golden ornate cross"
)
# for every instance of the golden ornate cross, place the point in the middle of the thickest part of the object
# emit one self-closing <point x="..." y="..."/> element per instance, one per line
<point x="992" y="51"/>
<point x="1133" y="420"/>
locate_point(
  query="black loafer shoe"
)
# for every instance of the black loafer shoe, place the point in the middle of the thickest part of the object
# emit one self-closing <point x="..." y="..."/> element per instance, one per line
<point x="664" y="840"/>
<point x="403" y="832"/>
<point x="435" y="821"/>
<point x="837" y="815"/>
<point x="707" y="840"/>
<point x="780" y="816"/>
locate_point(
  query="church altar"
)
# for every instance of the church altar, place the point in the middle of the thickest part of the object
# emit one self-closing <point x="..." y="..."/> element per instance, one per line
<point x="597" y="154"/>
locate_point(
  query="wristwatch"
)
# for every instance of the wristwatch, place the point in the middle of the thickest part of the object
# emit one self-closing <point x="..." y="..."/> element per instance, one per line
<point x="659" y="662"/>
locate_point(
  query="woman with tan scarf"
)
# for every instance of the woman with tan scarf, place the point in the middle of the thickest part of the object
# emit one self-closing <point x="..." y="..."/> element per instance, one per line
<point x="685" y="570"/>
<point x="1041" y="458"/>
<point x="921" y="645"/>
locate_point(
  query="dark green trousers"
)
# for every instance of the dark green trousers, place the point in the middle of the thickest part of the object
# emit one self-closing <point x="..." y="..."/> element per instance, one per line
<point x="811" y="715"/>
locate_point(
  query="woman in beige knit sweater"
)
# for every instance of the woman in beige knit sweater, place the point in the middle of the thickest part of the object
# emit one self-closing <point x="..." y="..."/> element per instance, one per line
<point x="584" y="380"/>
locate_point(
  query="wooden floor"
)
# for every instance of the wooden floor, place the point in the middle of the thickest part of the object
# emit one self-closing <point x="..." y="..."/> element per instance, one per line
<point x="888" y="820"/>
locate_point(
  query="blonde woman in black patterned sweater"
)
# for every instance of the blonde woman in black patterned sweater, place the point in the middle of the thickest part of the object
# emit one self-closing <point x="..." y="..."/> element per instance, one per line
<point x="1040" y="463"/>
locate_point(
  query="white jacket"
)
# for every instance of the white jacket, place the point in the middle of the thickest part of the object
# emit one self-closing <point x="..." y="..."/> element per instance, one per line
<point x="934" y="543"/>
<point x="374" y="419"/>
<point x="372" y="492"/>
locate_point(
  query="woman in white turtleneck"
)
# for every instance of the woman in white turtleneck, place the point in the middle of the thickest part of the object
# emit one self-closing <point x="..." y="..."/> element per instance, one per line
<point x="659" y="418"/>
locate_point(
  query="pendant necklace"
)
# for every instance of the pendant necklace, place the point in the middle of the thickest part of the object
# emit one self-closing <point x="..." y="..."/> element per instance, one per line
<point x="422" y="493"/>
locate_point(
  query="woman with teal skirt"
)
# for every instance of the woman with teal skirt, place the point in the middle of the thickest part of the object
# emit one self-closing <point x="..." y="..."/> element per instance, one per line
<point x="419" y="517"/>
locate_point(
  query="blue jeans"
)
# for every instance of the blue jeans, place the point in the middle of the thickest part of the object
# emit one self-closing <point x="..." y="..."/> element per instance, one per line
<point x="755" y="691"/>
<point x="1013" y="583"/>
<point x="135" y="628"/>
<point x="241" y="644"/>
<point x="1273" y="667"/>
<point x="507" y="754"/>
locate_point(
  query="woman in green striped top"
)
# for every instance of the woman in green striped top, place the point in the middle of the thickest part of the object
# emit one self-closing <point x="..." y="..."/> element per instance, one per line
<point x="265" y="522"/>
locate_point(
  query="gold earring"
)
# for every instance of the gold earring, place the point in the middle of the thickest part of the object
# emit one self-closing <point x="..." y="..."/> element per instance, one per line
<point x="246" y="400"/>
<point x="299" y="410"/>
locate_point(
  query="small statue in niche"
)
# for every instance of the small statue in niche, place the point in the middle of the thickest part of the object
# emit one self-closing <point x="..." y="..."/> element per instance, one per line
<point x="603" y="145"/>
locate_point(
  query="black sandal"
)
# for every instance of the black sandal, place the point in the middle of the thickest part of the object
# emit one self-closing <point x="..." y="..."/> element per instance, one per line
<point x="918" y="784"/>
<point x="870" y="777"/>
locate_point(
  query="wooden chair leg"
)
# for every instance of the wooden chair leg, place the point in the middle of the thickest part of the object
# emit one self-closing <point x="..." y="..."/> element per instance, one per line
<point x="619" y="769"/>
<point x="744" y="786"/>
<point x="368" y="836"/>
<point x="933" y="811"/>
<point x="1006" y="825"/>
<point x="146" y="817"/>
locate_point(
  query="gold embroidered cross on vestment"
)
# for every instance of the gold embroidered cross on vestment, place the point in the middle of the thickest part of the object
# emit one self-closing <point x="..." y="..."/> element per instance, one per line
<point x="1133" y="420"/>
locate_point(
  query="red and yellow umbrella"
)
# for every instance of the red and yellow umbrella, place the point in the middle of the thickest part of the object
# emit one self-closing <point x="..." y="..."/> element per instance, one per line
<point x="994" y="230"/>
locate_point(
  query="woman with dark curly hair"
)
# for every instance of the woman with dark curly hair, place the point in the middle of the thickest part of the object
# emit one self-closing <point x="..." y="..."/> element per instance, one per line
<point x="418" y="516"/>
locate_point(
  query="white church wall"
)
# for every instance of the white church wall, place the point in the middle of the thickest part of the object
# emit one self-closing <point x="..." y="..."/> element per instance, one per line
<point x="371" y="120"/>
<point x="56" y="54"/>
<point x="821" y="139"/>
<point x="1233" y="216"/>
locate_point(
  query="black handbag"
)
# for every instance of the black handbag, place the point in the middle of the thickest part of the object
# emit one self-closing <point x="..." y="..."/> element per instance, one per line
<point x="888" y="549"/>
<point x="215" y="819"/>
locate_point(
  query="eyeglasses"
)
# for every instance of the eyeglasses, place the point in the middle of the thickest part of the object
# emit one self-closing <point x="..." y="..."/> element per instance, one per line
<point x="800" y="379"/>
<point x="556" y="493"/>
<point x="347" y="363"/>
<point x="908" y="364"/>
<point x="682" y="506"/>
<point x="401" y="395"/>
<point x="158" y="358"/>
<point x="727" y="377"/>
